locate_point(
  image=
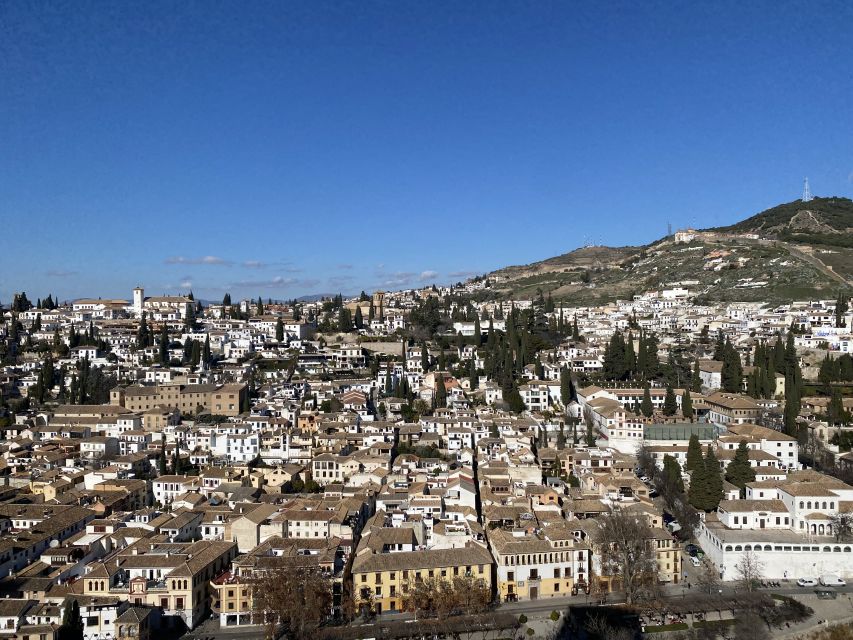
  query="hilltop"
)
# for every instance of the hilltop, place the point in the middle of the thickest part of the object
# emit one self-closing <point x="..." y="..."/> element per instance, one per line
<point x="792" y="251"/>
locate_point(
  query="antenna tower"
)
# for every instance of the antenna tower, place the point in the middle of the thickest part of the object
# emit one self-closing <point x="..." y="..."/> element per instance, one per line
<point x="807" y="192"/>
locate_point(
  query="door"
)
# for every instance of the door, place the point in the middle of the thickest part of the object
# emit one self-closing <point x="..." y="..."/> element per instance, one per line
<point x="761" y="523"/>
<point x="534" y="593"/>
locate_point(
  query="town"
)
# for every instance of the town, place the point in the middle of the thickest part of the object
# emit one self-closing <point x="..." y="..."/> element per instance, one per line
<point x="268" y="465"/>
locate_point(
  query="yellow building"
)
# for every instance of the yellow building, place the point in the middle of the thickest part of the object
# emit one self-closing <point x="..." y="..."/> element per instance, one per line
<point x="540" y="563"/>
<point x="383" y="579"/>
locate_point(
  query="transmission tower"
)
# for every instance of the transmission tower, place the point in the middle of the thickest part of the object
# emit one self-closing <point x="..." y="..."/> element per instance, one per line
<point x="807" y="192"/>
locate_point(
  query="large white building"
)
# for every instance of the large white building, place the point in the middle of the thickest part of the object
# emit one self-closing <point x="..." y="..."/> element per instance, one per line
<point x="787" y="526"/>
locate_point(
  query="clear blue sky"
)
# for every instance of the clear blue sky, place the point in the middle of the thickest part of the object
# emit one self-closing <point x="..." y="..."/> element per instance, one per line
<point x="285" y="148"/>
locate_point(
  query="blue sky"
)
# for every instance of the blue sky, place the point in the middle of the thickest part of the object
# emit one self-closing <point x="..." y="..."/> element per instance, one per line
<point x="286" y="148"/>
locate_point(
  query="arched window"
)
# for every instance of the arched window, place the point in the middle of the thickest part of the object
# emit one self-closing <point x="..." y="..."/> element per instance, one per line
<point x="846" y="549"/>
<point x="826" y="549"/>
<point x="728" y="547"/>
<point x="824" y="505"/>
<point x="801" y="504"/>
<point x="747" y="547"/>
<point x="738" y="548"/>
<point x="767" y="547"/>
<point x="809" y="504"/>
<point x="837" y="549"/>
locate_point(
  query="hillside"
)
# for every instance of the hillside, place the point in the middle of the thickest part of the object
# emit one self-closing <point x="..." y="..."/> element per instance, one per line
<point x="803" y="250"/>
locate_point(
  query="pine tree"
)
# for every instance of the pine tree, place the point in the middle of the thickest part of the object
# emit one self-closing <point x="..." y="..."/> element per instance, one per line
<point x="694" y="459"/>
<point x="739" y="471"/>
<point x="226" y="300"/>
<point x="205" y="354"/>
<point x="670" y="404"/>
<point x="424" y="357"/>
<point x="359" y="319"/>
<point x="279" y="330"/>
<point x="687" y="405"/>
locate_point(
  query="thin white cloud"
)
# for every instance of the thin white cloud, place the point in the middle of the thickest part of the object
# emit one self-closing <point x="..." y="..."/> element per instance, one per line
<point x="206" y="260"/>
<point x="429" y="274"/>
<point x="61" y="273"/>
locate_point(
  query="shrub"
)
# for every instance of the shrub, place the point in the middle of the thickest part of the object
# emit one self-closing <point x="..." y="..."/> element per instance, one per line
<point x="530" y="632"/>
<point x="555" y="616"/>
<point x="522" y="619"/>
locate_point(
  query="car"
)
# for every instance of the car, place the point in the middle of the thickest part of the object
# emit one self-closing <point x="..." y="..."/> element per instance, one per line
<point x="668" y="517"/>
<point x="692" y="550"/>
<point x="832" y="580"/>
<point x="645" y="479"/>
<point x="696" y="562"/>
<point x="807" y="582"/>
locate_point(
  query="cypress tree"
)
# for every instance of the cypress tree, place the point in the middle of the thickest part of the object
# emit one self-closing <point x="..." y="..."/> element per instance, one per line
<point x="565" y="387"/>
<point x="164" y="345"/>
<point x="670" y="405"/>
<point x="359" y="319"/>
<point x="739" y="471"/>
<point x="646" y="405"/>
<point x="672" y="473"/>
<point x="472" y="374"/>
<point x="696" y="378"/>
<point x="424" y="357"/>
<point x="687" y="405"/>
<point x="440" y="391"/>
<point x="279" y="330"/>
<point x="205" y="354"/>
<point x="694" y="459"/>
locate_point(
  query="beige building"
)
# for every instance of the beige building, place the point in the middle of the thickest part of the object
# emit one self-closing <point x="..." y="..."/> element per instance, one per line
<point x="225" y="399"/>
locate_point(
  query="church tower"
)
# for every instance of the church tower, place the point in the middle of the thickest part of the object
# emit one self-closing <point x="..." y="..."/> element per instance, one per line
<point x="138" y="299"/>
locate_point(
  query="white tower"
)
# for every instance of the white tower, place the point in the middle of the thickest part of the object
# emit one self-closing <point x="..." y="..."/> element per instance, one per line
<point x="138" y="298"/>
<point x="807" y="192"/>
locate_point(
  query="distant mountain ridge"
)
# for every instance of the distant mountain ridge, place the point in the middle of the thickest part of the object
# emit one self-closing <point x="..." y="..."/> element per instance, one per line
<point x="791" y="251"/>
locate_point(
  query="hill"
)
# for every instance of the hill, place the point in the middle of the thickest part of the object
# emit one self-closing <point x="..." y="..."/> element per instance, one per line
<point x="793" y="251"/>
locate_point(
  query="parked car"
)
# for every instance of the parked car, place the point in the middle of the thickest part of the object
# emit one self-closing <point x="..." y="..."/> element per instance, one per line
<point x="832" y="580"/>
<point x="807" y="582"/>
<point x="696" y="562"/>
<point x="667" y="517"/>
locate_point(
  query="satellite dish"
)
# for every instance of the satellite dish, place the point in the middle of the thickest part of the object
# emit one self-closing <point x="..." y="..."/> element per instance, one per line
<point x="54" y="544"/>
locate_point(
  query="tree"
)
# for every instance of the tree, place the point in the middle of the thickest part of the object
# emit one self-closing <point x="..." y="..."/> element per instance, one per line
<point x="696" y="378"/>
<point x="424" y="358"/>
<point x="205" y="355"/>
<point x="226" y="300"/>
<point x="440" y="391"/>
<point x="626" y="549"/>
<point x="739" y="471"/>
<point x="842" y="526"/>
<point x="672" y="474"/>
<point x="749" y="570"/>
<point x="687" y="405"/>
<point x="164" y="345"/>
<point x="694" y="454"/>
<point x="706" y="484"/>
<point x="72" y="624"/>
<point x="646" y="405"/>
<point x="293" y="599"/>
<point x="279" y="330"/>
<point x="565" y="387"/>
<point x="708" y="578"/>
<point x="359" y="318"/>
<point x="670" y="405"/>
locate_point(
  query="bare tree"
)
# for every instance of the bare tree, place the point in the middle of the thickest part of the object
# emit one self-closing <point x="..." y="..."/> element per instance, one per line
<point x="297" y="599"/>
<point x="598" y="626"/>
<point x="626" y="546"/>
<point x="708" y="579"/>
<point x="749" y="569"/>
<point x="842" y="526"/>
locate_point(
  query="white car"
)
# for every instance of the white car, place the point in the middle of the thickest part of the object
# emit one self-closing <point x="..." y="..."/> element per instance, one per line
<point x="832" y="580"/>
<point x="807" y="582"/>
<point x="696" y="562"/>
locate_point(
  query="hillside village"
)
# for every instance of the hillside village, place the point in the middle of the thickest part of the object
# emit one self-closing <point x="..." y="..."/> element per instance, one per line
<point x="163" y="458"/>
